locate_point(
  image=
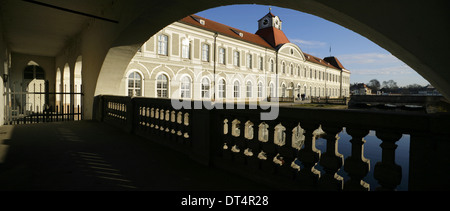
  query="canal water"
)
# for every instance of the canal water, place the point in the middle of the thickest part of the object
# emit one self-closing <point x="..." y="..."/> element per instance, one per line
<point x="372" y="151"/>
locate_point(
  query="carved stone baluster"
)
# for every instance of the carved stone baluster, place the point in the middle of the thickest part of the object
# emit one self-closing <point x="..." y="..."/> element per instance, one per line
<point x="167" y="121"/>
<point x="387" y="172"/>
<point x="331" y="161"/>
<point x="179" y="129"/>
<point x="143" y="118"/>
<point x="173" y="125"/>
<point x="147" y="119"/>
<point x="152" y="118"/>
<point x="269" y="149"/>
<point x="162" y="125"/>
<point x="156" y="121"/>
<point x="187" y="132"/>
<point x="309" y="156"/>
<point x="356" y="165"/>
<point x="226" y="139"/>
<point x="239" y="140"/>
<point x="254" y="146"/>
<point x="139" y="119"/>
<point x="288" y="153"/>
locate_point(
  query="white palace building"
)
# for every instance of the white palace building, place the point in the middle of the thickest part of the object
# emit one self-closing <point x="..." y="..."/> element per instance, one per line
<point x="200" y="59"/>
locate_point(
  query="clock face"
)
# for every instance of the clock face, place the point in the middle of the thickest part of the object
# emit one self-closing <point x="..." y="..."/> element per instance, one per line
<point x="265" y="21"/>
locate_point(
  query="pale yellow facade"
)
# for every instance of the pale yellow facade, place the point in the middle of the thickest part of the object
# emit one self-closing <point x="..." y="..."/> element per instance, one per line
<point x="261" y="72"/>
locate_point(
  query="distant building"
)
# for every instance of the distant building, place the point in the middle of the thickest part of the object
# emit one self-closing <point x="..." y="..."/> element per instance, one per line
<point x="429" y="90"/>
<point x="360" y="89"/>
<point x="196" y="58"/>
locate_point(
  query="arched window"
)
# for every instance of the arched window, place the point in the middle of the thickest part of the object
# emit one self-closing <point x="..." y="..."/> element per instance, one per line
<point x="162" y="85"/>
<point x="206" y="88"/>
<point x="66" y="87"/>
<point x="162" y="44"/>
<point x="249" y="89"/>
<point x="222" y="88"/>
<point x="58" y="86"/>
<point x="237" y="89"/>
<point x="291" y="69"/>
<point x="260" y="89"/>
<point x="283" y="67"/>
<point x="185" y="87"/>
<point x="33" y="72"/>
<point x="134" y="84"/>
<point x="283" y="90"/>
<point x="78" y="82"/>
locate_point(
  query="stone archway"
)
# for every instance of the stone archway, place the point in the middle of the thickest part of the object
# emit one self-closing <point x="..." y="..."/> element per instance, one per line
<point x="423" y="50"/>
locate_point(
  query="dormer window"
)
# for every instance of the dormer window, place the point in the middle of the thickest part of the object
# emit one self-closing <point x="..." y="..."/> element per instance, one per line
<point x="201" y="21"/>
<point x="238" y="32"/>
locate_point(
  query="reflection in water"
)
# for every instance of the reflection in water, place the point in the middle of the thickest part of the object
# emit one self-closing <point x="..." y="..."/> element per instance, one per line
<point x="372" y="151"/>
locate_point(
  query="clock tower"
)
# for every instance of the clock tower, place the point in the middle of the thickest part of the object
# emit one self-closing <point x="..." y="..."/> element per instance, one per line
<point x="269" y="28"/>
<point x="269" y="20"/>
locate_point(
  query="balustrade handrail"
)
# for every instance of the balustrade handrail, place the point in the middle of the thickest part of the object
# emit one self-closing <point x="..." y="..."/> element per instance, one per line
<point x="203" y="135"/>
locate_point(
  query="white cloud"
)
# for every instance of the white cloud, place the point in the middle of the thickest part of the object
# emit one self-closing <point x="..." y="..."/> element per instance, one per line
<point x="393" y="70"/>
<point x="308" y="43"/>
<point x="374" y="64"/>
<point x="369" y="58"/>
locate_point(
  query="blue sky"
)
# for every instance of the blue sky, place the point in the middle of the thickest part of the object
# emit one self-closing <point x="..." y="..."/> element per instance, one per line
<point x="314" y="35"/>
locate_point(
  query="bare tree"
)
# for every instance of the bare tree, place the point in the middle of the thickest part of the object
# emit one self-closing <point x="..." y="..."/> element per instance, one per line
<point x="374" y="84"/>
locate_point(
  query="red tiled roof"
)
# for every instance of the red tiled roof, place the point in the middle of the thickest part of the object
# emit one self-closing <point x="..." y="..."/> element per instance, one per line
<point x="273" y="36"/>
<point x="268" y="37"/>
<point x="225" y="30"/>
<point x="317" y="60"/>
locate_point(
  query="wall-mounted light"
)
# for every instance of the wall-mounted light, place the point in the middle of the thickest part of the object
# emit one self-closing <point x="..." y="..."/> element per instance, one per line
<point x="5" y="77"/>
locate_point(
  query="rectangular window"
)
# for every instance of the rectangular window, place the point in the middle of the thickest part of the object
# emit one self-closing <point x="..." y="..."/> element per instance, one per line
<point x="186" y="49"/>
<point x="236" y="58"/>
<point x="205" y="52"/>
<point x="162" y="44"/>
<point x="261" y="63"/>
<point x="272" y="68"/>
<point x="221" y="55"/>
<point x="249" y="61"/>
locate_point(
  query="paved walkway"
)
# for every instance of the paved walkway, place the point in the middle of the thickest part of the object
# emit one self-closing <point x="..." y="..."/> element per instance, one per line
<point x="89" y="155"/>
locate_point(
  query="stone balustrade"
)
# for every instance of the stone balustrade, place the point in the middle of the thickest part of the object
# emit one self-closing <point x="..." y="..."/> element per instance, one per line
<point x="282" y="152"/>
